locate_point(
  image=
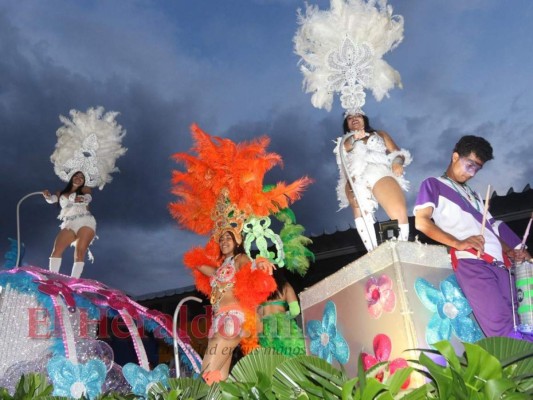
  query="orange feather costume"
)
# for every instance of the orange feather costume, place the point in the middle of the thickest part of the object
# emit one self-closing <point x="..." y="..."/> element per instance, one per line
<point x="234" y="171"/>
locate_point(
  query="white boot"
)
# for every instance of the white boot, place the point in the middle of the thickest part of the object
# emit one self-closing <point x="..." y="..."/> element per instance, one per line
<point x="54" y="264"/>
<point x="404" y="232"/>
<point x="77" y="269"/>
<point x="365" y="228"/>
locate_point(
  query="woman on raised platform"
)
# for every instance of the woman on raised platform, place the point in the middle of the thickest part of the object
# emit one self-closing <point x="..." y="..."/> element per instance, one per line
<point x="375" y="166"/>
<point x="88" y="145"/>
<point x="78" y="225"/>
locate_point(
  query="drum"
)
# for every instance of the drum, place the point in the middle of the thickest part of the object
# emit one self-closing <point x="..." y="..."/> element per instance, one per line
<point x="524" y="289"/>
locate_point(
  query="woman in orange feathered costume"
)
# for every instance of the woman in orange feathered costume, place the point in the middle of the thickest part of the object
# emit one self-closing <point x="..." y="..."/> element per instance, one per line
<point x="220" y="191"/>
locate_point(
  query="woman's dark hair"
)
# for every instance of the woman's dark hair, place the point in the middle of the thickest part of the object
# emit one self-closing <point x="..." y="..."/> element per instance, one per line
<point x="68" y="188"/>
<point x="366" y="121"/>
<point x="474" y="144"/>
<point x="281" y="281"/>
<point x="239" y="248"/>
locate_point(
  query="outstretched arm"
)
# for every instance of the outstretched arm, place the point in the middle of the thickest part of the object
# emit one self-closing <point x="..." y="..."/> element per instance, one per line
<point x="202" y="266"/>
<point x="517" y="255"/>
<point x="206" y="270"/>
<point x="260" y="263"/>
<point x="50" y="198"/>
<point x="512" y="245"/>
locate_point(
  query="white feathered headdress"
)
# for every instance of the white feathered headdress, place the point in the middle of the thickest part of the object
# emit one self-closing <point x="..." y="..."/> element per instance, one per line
<point x="90" y="143"/>
<point x="341" y="51"/>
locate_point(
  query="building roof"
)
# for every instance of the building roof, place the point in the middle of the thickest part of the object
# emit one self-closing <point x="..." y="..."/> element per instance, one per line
<point x="334" y="250"/>
<point x="164" y="293"/>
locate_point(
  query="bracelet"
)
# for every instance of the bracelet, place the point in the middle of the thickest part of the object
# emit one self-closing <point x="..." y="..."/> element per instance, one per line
<point x="87" y="198"/>
<point x="51" y="199"/>
<point x="398" y="160"/>
<point x="401" y="156"/>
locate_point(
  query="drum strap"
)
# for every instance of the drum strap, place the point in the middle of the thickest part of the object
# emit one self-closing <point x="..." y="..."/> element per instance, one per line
<point x="485" y="257"/>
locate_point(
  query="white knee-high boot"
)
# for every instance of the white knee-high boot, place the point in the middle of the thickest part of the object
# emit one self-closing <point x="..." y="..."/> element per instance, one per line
<point x="404" y="232"/>
<point x="77" y="269"/>
<point x="54" y="264"/>
<point x="365" y="228"/>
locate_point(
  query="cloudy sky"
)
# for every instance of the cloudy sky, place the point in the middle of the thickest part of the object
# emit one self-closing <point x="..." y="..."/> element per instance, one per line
<point x="229" y="66"/>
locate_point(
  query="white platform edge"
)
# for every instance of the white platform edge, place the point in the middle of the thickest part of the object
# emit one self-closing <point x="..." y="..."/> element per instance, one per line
<point x="383" y="256"/>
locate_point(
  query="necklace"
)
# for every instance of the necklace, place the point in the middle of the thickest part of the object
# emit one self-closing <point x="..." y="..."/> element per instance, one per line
<point x="358" y="135"/>
<point x="222" y="280"/>
<point x="471" y="196"/>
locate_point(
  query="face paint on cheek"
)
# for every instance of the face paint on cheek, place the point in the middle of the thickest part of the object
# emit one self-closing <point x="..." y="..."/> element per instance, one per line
<point x="469" y="166"/>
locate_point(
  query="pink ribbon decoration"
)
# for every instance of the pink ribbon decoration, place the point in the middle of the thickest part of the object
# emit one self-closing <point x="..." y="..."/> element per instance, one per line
<point x="54" y="285"/>
<point x="55" y="288"/>
<point x="117" y="301"/>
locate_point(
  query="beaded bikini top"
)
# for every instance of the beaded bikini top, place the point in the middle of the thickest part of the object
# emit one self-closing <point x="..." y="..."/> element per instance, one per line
<point x="222" y="280"/>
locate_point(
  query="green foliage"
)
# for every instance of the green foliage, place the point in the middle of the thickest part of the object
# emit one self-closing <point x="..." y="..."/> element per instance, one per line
<point x="31" y="386"/>
<point x="179" y="388"/>
<point x="493" y="368"/>
<point x="366" y="387"/>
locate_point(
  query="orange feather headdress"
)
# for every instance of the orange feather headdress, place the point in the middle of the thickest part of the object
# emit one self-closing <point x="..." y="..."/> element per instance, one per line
<point x="223" y="184"/>
<point x="222" y="190"/>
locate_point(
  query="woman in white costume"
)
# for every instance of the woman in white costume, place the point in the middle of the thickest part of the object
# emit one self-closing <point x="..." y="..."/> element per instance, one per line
<point x="88" y="144"/>
<point x="78" y="225"/>
<point x="341" y="50"/>
<point x="375" y="165"/>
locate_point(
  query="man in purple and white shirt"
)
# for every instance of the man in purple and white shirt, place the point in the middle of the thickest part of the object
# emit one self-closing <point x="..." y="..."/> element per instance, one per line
<point x="448" y="211"/>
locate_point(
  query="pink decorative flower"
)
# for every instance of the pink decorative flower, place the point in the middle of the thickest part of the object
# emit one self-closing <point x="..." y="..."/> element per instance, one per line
<point x="382" y="350"/>
<point x="379" y="296"/>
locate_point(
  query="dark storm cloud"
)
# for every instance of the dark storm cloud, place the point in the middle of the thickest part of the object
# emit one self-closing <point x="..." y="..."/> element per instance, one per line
<point x="306" y="146"/>
<point x="229" y="67"/>
<point x="33" y="92"/>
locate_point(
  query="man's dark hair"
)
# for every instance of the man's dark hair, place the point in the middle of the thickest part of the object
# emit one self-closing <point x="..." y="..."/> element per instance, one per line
<point x="474" y="144"/>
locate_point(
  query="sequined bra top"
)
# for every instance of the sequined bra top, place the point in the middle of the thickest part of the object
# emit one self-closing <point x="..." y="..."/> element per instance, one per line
<point x="222" y="280"/>
<point x="225" y="273"/>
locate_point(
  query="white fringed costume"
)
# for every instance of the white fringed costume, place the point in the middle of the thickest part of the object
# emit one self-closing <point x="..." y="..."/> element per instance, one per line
<point x="90" y="142"/>
<point x="341" y="52"/>
<point x="367" y="164"/>
<point x="76" y="215"/>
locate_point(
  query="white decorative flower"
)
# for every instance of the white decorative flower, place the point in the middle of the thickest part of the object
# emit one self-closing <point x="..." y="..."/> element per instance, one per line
<point x="351" y="72"/>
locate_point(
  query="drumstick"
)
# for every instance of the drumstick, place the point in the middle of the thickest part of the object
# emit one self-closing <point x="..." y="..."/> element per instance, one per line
<point x="526" y="234"/>
<point x="484" y="216"/>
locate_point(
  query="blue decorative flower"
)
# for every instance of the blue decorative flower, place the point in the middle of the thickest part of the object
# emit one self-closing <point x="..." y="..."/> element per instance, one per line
<point x="141" y="380"/>
<point x="326" y="341"/>
<point x="76" y="380"/>
<point x="451" y="309"/>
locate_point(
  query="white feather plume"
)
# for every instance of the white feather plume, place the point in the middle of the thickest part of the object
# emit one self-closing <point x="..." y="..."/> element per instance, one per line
<point x="344" y="30"/>
<point x="89" y="142"/>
